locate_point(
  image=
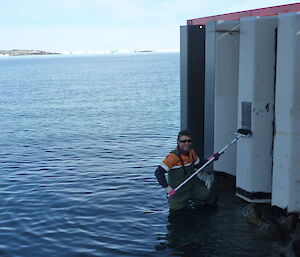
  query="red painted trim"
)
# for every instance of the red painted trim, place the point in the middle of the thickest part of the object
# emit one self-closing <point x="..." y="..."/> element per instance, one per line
<point x="269" y="11"/>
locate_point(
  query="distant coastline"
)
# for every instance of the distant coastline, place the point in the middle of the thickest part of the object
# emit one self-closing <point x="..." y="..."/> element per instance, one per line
<point x="20" y="52"/>
<point x="24" y="52"/>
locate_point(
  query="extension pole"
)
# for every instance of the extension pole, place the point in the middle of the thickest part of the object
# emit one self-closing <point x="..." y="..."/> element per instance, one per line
<point x="239" y="134"/>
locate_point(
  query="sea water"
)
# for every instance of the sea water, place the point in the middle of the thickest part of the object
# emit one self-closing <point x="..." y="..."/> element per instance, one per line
<point x="80" y="138"/>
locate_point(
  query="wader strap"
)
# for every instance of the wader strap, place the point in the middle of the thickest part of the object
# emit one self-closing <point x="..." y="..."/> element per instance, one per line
<point x="182" y="164"/>
<point x="177" y="152"/>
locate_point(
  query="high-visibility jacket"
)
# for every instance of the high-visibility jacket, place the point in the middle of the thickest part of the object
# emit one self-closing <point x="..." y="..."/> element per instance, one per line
<point x="179" y="167"/>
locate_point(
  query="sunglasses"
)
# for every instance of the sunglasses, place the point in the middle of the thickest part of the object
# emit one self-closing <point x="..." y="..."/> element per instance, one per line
<point x="186" y="141"/>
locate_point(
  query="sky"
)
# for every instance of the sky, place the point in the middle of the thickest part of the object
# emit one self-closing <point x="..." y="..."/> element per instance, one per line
<point x="106" y="25"/>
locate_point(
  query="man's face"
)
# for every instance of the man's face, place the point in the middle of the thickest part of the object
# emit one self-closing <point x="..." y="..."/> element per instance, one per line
<point x="185" y="143"/>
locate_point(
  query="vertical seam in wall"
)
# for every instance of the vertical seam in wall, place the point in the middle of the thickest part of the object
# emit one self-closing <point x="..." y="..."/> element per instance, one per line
<point x="274" y="109"/>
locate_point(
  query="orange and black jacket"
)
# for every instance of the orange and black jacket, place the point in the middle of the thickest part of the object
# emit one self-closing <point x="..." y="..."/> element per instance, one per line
<point x="179" y="166"/>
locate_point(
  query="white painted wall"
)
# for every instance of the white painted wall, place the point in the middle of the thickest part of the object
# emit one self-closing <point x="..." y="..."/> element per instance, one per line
<point x="226" y="58"/>
<point x="209" y="98"/>
<point x="256" y="85"/>
<point x="286" y="166"/>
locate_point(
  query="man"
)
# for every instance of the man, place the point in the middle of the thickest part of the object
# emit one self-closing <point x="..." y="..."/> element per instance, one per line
<point x="180" y="164"/>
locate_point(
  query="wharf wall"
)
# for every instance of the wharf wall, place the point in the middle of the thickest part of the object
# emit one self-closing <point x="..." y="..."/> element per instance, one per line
<point x="244" y="73"/>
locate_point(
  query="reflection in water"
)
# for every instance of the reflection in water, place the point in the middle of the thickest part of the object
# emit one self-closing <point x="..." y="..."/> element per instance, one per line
<point x="188" y="231"/>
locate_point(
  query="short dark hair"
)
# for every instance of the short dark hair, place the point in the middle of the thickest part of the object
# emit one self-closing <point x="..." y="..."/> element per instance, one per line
<point x="184" y="133"/>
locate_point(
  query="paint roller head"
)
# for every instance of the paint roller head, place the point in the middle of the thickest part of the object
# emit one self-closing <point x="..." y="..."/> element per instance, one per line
<point x="245" y="132"/>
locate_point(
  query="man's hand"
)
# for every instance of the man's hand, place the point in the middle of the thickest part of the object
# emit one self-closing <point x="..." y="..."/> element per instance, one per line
<point x="216" y="156"/>
<point x="169" y="189"/>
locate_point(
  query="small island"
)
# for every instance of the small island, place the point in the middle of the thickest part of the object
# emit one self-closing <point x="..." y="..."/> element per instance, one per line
<point x="143" y="51"/>
<point x="20" y="52"/>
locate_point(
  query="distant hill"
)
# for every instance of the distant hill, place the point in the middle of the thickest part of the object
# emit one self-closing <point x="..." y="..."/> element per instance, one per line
<point x="18" y="52"/>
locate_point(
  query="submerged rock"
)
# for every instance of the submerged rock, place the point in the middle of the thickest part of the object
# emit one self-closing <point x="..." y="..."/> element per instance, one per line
<point x="277" y="224"/>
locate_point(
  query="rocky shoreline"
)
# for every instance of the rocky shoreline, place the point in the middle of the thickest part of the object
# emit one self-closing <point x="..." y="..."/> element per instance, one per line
<point x="20" y="52"/>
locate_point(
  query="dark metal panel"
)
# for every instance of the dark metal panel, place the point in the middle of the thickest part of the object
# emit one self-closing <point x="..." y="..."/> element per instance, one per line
<point x="209" y="108"/>
<point x="246" y="115"/>
<point x="192" y="74"/>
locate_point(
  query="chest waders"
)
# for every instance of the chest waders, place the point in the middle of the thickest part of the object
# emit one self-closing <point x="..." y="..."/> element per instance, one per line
<point x="177" y="175"/>
<point x="191" y="190"/>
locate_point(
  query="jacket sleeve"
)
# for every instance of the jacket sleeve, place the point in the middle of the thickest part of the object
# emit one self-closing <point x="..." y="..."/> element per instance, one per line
<point x="160" y="175"/>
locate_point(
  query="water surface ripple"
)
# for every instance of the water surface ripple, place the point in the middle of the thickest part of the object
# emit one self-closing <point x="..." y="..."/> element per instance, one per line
<point x="80" y="139"/>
